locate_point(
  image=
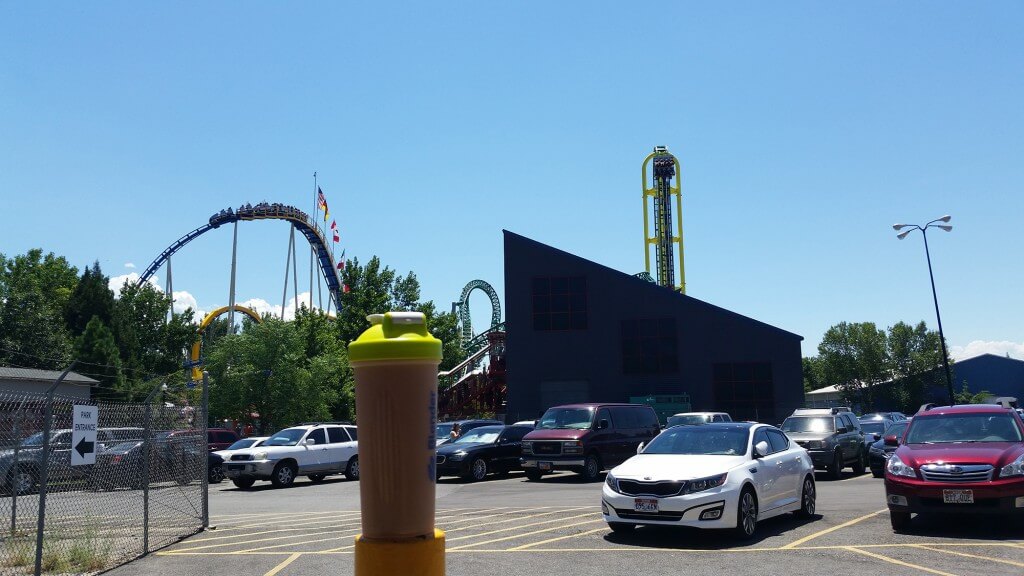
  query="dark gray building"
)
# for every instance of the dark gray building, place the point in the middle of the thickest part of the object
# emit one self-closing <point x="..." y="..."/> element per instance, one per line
<point x="582" y="332"/>
<point x="33" y="381"/>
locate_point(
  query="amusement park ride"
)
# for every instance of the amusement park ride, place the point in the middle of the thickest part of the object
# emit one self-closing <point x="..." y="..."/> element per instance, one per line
<point x="474" y="387"/>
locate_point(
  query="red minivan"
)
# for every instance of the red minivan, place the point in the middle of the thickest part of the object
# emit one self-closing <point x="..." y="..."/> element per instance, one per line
<point x="587" y="438"/>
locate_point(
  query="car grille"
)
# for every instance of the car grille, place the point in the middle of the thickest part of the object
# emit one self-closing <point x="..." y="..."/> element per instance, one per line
<point x="547" y="448"/>
<point x="957" y="472"/>
<point x="441" y="458"/>
<point x="663" y="516"/>
<point x="635" y="488"/>
<point x="241" y="456"/>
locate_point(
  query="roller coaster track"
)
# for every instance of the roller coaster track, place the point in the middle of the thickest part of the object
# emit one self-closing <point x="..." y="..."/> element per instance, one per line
<point x="469" y="343"/>
<point x="264" y="211"/>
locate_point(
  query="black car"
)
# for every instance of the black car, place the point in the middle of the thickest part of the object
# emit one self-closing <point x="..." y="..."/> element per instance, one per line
<point x="171" y="459"/>
<point x="480" y="451"/>
<point x="879" y="452"/>
<point x="444" y="429"/>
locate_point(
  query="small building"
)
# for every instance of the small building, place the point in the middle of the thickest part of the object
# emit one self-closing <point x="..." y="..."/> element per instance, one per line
<point x="31" y="380"/>
<point x="997" y="375"/>
<point x="582" y="332"/>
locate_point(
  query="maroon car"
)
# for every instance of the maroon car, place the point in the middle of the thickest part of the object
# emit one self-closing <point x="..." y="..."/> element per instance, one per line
<point x="957" y="460"/>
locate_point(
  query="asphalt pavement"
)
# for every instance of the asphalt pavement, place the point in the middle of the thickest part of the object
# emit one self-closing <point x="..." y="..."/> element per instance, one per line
<point x="510" y="526"/>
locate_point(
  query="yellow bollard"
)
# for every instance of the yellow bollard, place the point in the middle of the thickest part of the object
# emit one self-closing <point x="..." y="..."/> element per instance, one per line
<point x="395" y="363"/>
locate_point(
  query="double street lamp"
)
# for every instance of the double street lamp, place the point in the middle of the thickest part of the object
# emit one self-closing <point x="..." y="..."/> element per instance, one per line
<point x="924" y="233"/>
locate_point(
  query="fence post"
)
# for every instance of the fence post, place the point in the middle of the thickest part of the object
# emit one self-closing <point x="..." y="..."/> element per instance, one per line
<point x="13" y="473"/>
<point x="206" y="449"/>
<point x="147" y="446"/>
<point x="47" y="427"/>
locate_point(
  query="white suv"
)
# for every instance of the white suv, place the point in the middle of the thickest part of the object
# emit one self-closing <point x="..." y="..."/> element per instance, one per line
<point x="313" y="450"/>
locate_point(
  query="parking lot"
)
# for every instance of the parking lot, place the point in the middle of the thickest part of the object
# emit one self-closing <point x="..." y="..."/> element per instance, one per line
<point x="511" y="526"/>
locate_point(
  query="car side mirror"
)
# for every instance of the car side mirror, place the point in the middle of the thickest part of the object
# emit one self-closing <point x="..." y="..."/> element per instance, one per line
<point x="760" y="449"/>
<point x="310" y="442"/>
<point x="877" y="437"/>
<point x="602" y="424"/>
<point x="640" y="448"/>
<point x="892" y="440"/>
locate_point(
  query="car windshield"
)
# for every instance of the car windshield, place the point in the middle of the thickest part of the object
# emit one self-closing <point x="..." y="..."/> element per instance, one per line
<point x="897" y="429"/>
<point x="33" y="440"/>
<point x="809" y="424"/>
<point x="561" y="418"/>
<point x="687" y="419"/>
<point x="286" y="437"/>
<point x="445" y="429"/>
<point x="702" y="440"/>
<point x="873" y="427"/>
<point x="955" y="428"/>
<point x="243" y="443"/>
<point x="124" y="447"/>
<point x="482" y="435"/>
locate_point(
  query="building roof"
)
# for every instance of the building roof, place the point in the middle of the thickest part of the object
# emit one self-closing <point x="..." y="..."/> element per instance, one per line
<point x="983" y="359"/>
<point x="34" y="375"/>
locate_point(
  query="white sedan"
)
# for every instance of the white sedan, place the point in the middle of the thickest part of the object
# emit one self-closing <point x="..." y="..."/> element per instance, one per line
<point x="727" y="475"/>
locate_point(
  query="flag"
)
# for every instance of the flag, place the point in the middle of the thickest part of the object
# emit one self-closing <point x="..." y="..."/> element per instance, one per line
<point x="334" y="225"/>
<point x="341" y="265"/>
<point x="321" y="202"/>
<point x="336" y="237"/>
<point x="345" y="288"/>
<point x="326" y="213"/>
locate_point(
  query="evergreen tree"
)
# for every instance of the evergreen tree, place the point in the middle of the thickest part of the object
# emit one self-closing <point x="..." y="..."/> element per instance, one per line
<point x="96" y="351"/>
<point x="91" y="297"/>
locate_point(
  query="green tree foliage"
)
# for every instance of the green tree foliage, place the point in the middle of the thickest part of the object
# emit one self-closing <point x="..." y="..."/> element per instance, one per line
<point x="853" y="357"/>
<point x="813" y="378"/>
<point x="965" y="396"/>
<point x="149" y="343"/>
<point x="286" y="372"/>
<point x="34" y="290"/>
<point x="914" y="360"/>
<point x="98" y="353"/>
<point x="91" y="297"/>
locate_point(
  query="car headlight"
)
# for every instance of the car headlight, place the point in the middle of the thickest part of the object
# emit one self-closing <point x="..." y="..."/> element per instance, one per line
<point x="260" y="455"/>
<point x="1015" y="468"/>
<point x="527" y="447"/>
<point x="896" y="467"/>
<point x="612" y="482"/>
<point x="572" y="447"/>
<point x="701" y="484"/>
<point x="457" y="456"/>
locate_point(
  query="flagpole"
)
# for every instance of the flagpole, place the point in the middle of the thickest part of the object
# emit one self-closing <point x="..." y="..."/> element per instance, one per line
<point x="312" y="251"/>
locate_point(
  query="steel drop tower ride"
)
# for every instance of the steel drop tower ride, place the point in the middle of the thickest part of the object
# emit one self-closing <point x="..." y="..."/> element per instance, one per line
<point x="665" y="168"/>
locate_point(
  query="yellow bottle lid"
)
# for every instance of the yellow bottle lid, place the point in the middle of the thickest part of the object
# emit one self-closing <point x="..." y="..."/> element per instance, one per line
<point x="395" y="336"/>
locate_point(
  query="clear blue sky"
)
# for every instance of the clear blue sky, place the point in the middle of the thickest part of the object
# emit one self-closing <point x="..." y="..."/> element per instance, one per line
<point x="804" y="131"/>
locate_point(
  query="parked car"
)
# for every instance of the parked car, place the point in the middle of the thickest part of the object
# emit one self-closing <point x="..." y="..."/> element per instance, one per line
<point x="221" y="438"/>
<point x="250" y="442"/>
<point x="832" y="437"/>
<point x="884" y="447"/>
<point x="720" y="475"/>
<point x="587" y="438"/>
<point x="214" y="468"/>
<point x="874" y="426"/>
<point x="312" y="450"/>
<point x="173" y="457"/>
<point x="691" y="418"/>
<point x="481" y="451"/>
<point x="23" y="475"/>
<point x="894" y="416"/>
<point x="444" y="429"/>
<point x="966" y="459"/>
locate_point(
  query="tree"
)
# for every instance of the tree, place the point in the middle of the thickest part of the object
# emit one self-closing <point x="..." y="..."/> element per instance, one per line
<point x="149" y="343"/>
<point x="96" y="351"/>
<point x="813" y="378"/>
<point x="965" y="396"/>
<point x="91" y="297"/>
<point x="915" y="362"/>
<point x="34" y="291"/>
<point x="853" y="357"/>
<point x="370" y="292"/>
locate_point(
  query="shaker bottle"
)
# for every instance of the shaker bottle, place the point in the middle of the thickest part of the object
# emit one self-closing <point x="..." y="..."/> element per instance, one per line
<point x="395" y="363"/>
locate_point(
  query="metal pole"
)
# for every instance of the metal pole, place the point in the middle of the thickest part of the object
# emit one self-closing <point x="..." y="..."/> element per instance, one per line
<point x="312" y="252"/>
<point x="170" y="286"/>
<point x="287" y="264"/>
<point x="938" y="318"/>
<point x="147" y="447"/>
<point x="47" y="426"/>
<point x="206" y="448"/>
<point x="295" y="278"/>
<point x="14" y="473"/>
<point x="231" y="295"/>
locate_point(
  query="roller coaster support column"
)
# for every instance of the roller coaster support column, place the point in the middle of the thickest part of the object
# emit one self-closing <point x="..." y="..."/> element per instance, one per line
<point x="395" y="363"/>
<point x="231" y="294"/>
<point x="287" y="266"/>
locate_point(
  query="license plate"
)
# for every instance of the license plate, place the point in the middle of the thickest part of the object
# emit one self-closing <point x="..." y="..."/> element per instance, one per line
<point x="958" y="496"/>
<point x="645" y="505"/>
<point x="236" y="467"/>
<point x="544" y="466"/>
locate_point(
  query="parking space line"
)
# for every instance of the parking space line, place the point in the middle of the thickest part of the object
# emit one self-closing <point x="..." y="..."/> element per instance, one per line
<point x="832" y="529"/>
<point x="282" y="565"/>
<point x="294" y="543"/>
<point x="306" y="527"/>
<point x="514" y="536"/>
<point x="271" y="515"/>
<point x="242" y="543"/>
<point x="550" y="540"/>
<point x="897" y="562"/>
<point x="321" y="517"/>
<point x="519" y="527"/>
<point x="966" y="555"/>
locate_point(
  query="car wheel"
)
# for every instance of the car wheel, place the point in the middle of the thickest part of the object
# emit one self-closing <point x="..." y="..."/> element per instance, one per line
<point x="283" y="475"/>
<point x="244" y="483"/>
<point x="746" y="514"/>
<point x="861" y="464"/>
<point x="352" y="468"/>
<point x="22" y="481"/>
<point x="533" y="475"/>
<point x="216" y="474"/>
<point x="835" y="470"/>
<point x="621" y="527"/>
<point x="877" y="473"/>
<point x="900" y="520"/>
<point x="808" y="498"/>
<point x="591" y="468"/>
<point x="477" y="470"/>
<point x="316" y="478"/>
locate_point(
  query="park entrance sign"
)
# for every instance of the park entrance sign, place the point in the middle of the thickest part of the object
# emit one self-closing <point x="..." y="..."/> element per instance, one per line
<point x="83" y="435"/>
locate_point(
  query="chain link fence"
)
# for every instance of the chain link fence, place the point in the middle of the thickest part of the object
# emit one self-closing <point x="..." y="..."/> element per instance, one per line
<point x="146" y="488"/>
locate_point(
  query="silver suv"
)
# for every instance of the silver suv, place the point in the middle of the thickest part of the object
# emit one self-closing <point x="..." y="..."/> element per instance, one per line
<point x="314" y="450"/>
<point x="832" y="437"/>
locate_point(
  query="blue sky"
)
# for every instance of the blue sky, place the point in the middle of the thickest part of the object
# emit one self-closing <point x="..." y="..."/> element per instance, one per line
<point x="804" y="130"/>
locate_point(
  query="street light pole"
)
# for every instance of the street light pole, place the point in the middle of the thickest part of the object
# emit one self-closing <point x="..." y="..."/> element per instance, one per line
<point x="935" y="298"/>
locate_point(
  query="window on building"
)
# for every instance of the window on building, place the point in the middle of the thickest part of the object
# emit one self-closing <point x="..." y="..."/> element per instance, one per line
<point x="560" y="303"/>
<point x="745" y="390"/>
<point x="649" y="346"/>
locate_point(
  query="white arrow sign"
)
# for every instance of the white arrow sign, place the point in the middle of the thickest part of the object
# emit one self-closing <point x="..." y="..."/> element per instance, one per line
<point x="83" y="435"/>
